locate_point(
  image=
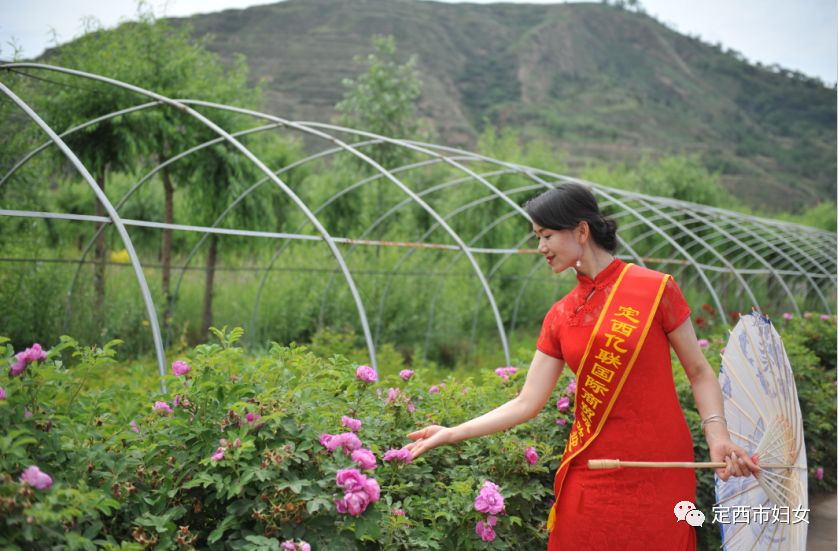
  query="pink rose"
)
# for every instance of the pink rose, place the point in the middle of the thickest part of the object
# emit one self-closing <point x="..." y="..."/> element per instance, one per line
<point x="372" y="489"/>
<point x="2" y="393"/>
<point x="406" y="374"/>
<point x="181" y="368"/>
<point x="364" y="458"/>
<point x="351" y="480"/>
<point x="396" y="512"/>
<point x="161" y="406"/>
<point x="505" y="372"/>
<point x="365" y="373"/>
<point x="218" y="455"/>
<point x="392" y="395"/>
<point x="819" y="473"/>
<point x="489" y="499"/>
<point x="485" y="531"/>
<point x="788" y="316"/>
<point x="398" y="456"/>
<point x="304" y="546"/>
<point x="134" y="427"/>
<point x="352" y="424"/>
<point x="325" y="439"/>
<point x="561" y="421"/>
<point x="433" y="390"/>
<point x="571" y="387"/>
<point x="824" y="317"/>
<point x="354" y="503"/>
<point x="33" y="354"/>
<point x="531" y="455"/>
<point x="251" y="418"/>
<point x="703" y="343"/>
<point x="288" y="545"/>
<point x="411" y="407"/>
<point x="36" y="478"/>
<point x="563" y="404"/>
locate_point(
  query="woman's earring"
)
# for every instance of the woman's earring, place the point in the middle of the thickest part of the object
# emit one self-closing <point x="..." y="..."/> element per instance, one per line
<point x="578" y="263"/>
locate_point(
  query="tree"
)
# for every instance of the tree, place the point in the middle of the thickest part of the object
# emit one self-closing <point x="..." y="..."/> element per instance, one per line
<point x="154" y="55"/>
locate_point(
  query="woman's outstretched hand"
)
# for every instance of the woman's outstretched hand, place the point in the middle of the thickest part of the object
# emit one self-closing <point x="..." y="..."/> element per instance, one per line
<point x="428" y="438"/>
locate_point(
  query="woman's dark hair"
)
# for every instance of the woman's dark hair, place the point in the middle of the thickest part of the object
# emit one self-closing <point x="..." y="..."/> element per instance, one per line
<point x="564" y="207"/>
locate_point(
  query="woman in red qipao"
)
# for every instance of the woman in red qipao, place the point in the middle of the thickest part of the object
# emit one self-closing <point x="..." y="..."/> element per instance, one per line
<point x="614" y="330"/>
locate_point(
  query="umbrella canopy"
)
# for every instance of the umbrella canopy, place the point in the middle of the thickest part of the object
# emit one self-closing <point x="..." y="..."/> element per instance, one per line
<point x="763" y="416"/>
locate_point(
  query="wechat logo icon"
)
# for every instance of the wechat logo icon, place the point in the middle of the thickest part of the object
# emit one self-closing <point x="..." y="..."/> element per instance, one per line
<point x="686" y="511"/>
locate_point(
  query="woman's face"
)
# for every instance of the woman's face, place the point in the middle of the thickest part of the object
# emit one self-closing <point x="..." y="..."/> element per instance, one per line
<point x="559" y="247"/>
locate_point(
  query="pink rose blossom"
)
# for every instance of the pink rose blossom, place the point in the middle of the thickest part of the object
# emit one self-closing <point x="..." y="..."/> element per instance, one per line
<point x="396" y="512"/>
<point x="392" y="395"/>
<point x="2" y="393"/>
<point x="819" y="473"/>
<point x="161" y="406"/>
<point x="352" y="424"/>
<point x="531" y="455"/>
<point x="181" y="368"/>
<point x="349" y="441"/>
<point x="788" y="316"/>
<point x="353" y="503"/>
<point x="26" y="413"/>
<point x="365" y="373"/>
<point x="406" y="374"/>
<point x="351" y="480"/>
<point x="134" y="427"/>
<point x="33" y="354"/>
<point x="288" y="545"/>
<point x="433" y="390"/>
<point x="505" y="372"/>
<point x="372" y="489"/>
<point x="218" y="455"/>
<point x="251" y="418"/>
<point x="364" y="458"/>
<point x="485" y="531"/>
<point x="176" y="401"/>
<point x="571" y="387"/>
<point x="411" y="407"/>
<point x="561" y="421"/>
<point x="563" y="404"/>
<point x="398" y="456"/>
<point x="489" y="499"/>
<point x="824" y="316"/>
<point x="703" y="343"/>
<point x="304" y="546"/>
<point x="36" y="478"/>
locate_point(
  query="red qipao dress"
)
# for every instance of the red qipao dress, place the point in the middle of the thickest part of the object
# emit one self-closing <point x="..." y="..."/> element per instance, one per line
<point x="630" y="508"/>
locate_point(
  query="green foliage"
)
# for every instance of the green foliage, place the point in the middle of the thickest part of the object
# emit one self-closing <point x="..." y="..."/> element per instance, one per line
<point x="383" y="99"/>
<point x="160" y="487"/>
<point x="677" y="177"/>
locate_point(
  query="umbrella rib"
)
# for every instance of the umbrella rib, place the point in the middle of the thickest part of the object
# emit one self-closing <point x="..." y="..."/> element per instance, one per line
<point x="743" y="412"/>
<point x="745" y="438"/>
<point x="744" y="388"/>
<point x="739" y="493"/>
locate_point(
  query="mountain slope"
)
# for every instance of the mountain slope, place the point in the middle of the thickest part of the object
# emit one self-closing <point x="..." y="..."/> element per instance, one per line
<point x="599" y="81"/>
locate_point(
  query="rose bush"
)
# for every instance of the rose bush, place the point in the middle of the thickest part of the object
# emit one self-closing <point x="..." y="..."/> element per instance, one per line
<point x="292" y="449"/>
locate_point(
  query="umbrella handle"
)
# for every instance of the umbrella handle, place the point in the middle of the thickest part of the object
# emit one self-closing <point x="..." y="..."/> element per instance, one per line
<point x="616" y="464"/>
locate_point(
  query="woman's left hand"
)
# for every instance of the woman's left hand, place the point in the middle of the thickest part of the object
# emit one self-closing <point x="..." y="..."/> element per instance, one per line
<point x="722" y="449"/>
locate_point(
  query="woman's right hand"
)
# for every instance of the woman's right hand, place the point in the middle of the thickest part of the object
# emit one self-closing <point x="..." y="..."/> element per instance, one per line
<point x="428" y="438"/>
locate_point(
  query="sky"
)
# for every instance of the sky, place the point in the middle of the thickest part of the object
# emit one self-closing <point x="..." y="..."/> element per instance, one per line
<point x="795" y="34"/>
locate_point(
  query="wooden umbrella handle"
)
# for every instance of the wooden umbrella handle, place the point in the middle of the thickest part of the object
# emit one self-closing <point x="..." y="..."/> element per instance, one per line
<point x="616" y="464"/>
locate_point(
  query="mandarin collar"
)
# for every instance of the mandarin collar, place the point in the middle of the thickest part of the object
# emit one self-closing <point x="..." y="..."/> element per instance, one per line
<point x="604" y="278"/>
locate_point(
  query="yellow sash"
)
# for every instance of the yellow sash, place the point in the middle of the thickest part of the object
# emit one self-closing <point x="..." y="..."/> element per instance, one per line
<point x="615" y="343"/>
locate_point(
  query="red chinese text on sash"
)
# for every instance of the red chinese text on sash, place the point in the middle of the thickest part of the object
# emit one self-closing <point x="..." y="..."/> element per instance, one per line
<point x="614" y="345"/>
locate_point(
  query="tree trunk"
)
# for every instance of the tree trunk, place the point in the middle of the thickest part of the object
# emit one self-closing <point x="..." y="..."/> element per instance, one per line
<point x="99" y="259"/>
<point x="166" y="253"/>
<point x="208" y="285"/>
